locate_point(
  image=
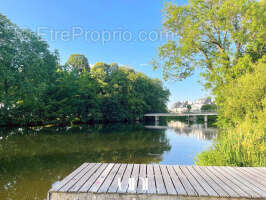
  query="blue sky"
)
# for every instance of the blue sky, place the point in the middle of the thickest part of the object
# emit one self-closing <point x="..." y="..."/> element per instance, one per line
<point x="107" y="19"/>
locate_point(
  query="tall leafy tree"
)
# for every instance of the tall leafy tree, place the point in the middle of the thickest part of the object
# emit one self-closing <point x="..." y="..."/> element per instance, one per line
<point x="78" y="62"/>
<point x="26" y="66"/>
<point x="212" y="35"/>
<point x="126" y="95"/>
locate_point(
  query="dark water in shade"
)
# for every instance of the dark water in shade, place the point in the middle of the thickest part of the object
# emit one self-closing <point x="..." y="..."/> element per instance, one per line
<point x="31" y="160"/>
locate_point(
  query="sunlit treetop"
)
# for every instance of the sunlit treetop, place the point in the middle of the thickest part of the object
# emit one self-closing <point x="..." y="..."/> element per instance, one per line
<point x="212" y="35"/>
<point x="78" y="62"/>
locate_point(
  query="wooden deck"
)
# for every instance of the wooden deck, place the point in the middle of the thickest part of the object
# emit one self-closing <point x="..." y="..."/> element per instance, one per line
<point x="140" y="181"/>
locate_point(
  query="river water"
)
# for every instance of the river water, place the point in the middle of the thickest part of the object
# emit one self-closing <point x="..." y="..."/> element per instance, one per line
<point x="32" y="159"/>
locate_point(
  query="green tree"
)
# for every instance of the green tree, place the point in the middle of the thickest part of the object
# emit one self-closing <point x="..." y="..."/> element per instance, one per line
<point x="26" y="69"/>
<point x="188" y="107"/>
<point x="61" y="100"/>
<point x="78" y="62"/>
<point x="88" y="99"/>
<point x="73" y="98"/>
<point x="212" y="35"/>
<point x="126" y="95"/>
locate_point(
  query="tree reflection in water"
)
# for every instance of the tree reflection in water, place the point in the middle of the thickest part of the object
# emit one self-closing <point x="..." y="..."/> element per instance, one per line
<point x="32" y="159"/>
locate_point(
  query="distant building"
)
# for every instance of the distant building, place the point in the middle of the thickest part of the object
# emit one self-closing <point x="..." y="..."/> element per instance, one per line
<point x="181" y="106"/>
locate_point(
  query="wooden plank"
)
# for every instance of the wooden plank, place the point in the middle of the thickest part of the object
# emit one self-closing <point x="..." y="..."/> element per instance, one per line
<point x="202" y="182"/>
<point x="92" y="179"/>
<point x="218" y="189"/>
<point x="231" y="183"/>
<point x="220" y="181"/>
<point x="188" y="187"/>
<point x="125" y="179"/>
<point x="76" y="178"/>
<point x="168" y="181"/>
<point x="134" y="178"/>
<point x="263" y="169"/>
<point x="160" y="187"/>
<point x="95" y="187"/>
<point x="151" y="180"/>
<point x="109" y="179"/>
<point x="257" y="181"/>
<point x="83" y="180"/>
<point x="249" y="175"/>
<point x="177" y="183"/>
<point x="260" y="170"/>
<point x="253" y="171"/>
<point x="253" y="185"/>
<point x="194" y="183"/>
<point x="249" y="171"/>
<point x="114" y="185"/>
<point x="69" y="177"/>
<point x="142" y="177"/>
<point x="170" y="188"/>
<point x="241" y="183"/>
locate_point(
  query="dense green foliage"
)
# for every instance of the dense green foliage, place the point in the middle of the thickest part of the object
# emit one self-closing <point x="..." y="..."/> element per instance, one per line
<point x="35" y="89"/>
<point x="26" y="70"/>
<point x="213" y="36"/>
<point x="226" y="40"/>
<point x="188" y="108"/>
<point x="243" y="141"/>
<point x="77" y="62"/>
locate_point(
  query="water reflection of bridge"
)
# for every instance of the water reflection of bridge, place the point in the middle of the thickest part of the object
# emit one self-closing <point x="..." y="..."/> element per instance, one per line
<point x="198" y="131"/>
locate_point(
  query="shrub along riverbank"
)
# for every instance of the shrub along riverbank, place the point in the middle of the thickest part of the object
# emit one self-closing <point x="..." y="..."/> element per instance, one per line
<point x="35" y="89"/>
<point x="242" y="141"/>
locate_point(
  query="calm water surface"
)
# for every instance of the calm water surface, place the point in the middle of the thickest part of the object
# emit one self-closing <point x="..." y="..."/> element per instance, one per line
<point x="33" y="159"/>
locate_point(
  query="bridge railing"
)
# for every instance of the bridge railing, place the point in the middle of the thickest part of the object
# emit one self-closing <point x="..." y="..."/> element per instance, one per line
<point x="195" y="112"/>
